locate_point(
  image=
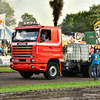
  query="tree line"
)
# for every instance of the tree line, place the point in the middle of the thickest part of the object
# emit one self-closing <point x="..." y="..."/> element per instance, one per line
<point x="6" y="8"/>
<point x="10" y="20"/>
<point x="79" y="22"/>
<point x="82" y="21"/>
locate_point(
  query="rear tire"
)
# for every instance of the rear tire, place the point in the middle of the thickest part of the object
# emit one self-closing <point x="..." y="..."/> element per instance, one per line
<point x="85" y="70"/>
<point x="26" y="74"/>
<point x="52" y="71"/>
<point x="90" y="72"/>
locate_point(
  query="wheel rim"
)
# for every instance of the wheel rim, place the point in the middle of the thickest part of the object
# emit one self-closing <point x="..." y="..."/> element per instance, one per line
<point x="90" y="72"/>
<point x="52" y="71"/>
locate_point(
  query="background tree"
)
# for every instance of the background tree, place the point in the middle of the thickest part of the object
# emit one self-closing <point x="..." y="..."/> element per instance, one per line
<point x="26" y="18"/>
<point x="81" y="21"/>
<point x="5" y="8"/>
<point x="95" y="13"/>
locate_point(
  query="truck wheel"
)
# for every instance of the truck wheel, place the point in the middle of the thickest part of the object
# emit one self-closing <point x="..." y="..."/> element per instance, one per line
<point x="26" y="74"/>
<point x="90" y="71"/>
<point x="52" y="71"/>
<point x="85" y="70"/>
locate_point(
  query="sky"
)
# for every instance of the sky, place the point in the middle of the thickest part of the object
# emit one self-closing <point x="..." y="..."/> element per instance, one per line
<point x="41" y="10"/>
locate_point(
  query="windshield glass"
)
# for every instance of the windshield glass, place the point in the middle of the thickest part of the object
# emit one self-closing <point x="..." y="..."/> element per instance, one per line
<point x="26" y="35"/>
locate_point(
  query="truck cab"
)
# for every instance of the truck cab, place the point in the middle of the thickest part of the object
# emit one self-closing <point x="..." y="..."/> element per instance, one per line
<point x="35" y="52"/>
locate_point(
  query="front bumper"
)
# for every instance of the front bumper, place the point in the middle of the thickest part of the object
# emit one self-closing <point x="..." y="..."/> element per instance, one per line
<point x="29" y="67"/>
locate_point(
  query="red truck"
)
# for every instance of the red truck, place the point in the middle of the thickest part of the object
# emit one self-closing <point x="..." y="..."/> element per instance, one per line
<point x="37" y="49"/>
<point x="33" y="53"/>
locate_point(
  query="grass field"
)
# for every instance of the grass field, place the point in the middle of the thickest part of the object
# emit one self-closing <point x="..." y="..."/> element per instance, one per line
<point x="43" y="86"/>
<point x="48" y="86"/>
<point x="6" y="69"/>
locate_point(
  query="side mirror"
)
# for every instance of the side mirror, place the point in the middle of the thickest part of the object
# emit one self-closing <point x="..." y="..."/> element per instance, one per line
<point x="13" y="35"/>
<point x="43" y="37"/>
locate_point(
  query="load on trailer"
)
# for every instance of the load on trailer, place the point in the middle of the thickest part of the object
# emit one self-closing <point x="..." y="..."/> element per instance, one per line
<point x="77" y="61"/>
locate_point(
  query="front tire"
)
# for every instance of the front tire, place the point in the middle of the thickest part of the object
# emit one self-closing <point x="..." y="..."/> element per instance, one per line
<point x="86" y="70"/>
<point x="26" y="74"/>
<point x="52" y="71"/>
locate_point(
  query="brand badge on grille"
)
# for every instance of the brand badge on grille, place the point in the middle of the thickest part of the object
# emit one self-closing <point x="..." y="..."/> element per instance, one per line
<point x="21" y="43"/>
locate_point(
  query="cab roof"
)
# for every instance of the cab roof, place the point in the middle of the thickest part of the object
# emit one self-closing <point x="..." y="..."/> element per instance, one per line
<point x="35" y="27"/>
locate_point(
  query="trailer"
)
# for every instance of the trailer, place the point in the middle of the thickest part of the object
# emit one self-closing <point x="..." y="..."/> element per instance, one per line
<point x="78" y="61"/>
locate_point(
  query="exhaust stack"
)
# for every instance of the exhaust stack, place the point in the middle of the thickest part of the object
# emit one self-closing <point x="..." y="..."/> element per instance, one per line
<point x="56" y="5"/>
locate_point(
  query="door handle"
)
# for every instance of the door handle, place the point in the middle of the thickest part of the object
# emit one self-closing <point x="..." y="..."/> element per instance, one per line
<point x="50" y="47"/>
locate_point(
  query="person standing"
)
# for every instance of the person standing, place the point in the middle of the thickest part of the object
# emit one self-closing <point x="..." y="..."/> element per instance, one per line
<point x="0" y="49"/>
<point x="65" y="52"/>
<point x="91" y="50"/>
<point x="95" y="64"/>
<point x="5" y="50"/>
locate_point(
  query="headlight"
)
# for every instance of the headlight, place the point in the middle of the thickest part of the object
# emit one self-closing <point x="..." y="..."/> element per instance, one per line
<point x="11" y="66"/>
<point x="32" y="66"/>
<point x="32" y="60"/>
<point x="11" y="60"/>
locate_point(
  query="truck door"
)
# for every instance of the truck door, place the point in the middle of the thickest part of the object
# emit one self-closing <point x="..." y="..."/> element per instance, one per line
<point x="45" y="47"/>
<point x="57" y="43"/>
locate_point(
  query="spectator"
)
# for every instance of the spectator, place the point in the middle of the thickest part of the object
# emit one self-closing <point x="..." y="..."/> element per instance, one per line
<point x="65" y="49"/>
<point x="0" y="49"/>
<point x="72" y="40"/>
<point x="94" y="47"/>
<point x="5" y="50"/>
<point x="95" y="64"/>
<point x="7" y="43"/>
<point x="91" y="50"/>
<point x="9" y="49"/>
<point x="4" y="43"/>
<point x="65" y="52"/>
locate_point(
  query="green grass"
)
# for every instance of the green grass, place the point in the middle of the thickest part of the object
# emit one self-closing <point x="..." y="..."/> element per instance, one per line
<point x="43" y="86"/>
<point x="48" y="86"/>
<point x="6" y="69"/>
<point x="4" y="66"/>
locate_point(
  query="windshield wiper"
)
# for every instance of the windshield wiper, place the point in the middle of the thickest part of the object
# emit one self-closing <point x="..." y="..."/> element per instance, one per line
<point x="27" y="40"/>
<point x="16" y="40"/>
<point x="22" y="40"/>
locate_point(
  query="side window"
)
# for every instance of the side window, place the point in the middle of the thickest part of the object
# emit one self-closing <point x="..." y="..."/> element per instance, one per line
<point x="47" y="34"/>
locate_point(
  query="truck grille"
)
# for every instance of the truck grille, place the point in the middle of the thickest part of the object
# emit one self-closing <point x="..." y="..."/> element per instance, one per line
<point x="22" y="51"/>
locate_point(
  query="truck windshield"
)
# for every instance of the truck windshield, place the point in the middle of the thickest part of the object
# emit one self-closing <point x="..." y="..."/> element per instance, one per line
<point x="26" y="35"/>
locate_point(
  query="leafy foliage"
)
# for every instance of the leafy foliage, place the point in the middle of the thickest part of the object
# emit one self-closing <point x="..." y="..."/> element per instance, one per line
<point x="81" y="21"/>
<point x="26" y="18"/>
<point x="5" y="8"/>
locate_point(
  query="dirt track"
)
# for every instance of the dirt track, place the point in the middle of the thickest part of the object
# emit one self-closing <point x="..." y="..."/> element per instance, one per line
<point x="87" y="93"/>
<point x="8" y="79"/>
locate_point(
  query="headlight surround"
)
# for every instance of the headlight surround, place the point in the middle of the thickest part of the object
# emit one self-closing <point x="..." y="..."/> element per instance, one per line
<point x="32" y="60"/>
<point x="11" y="60"/>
